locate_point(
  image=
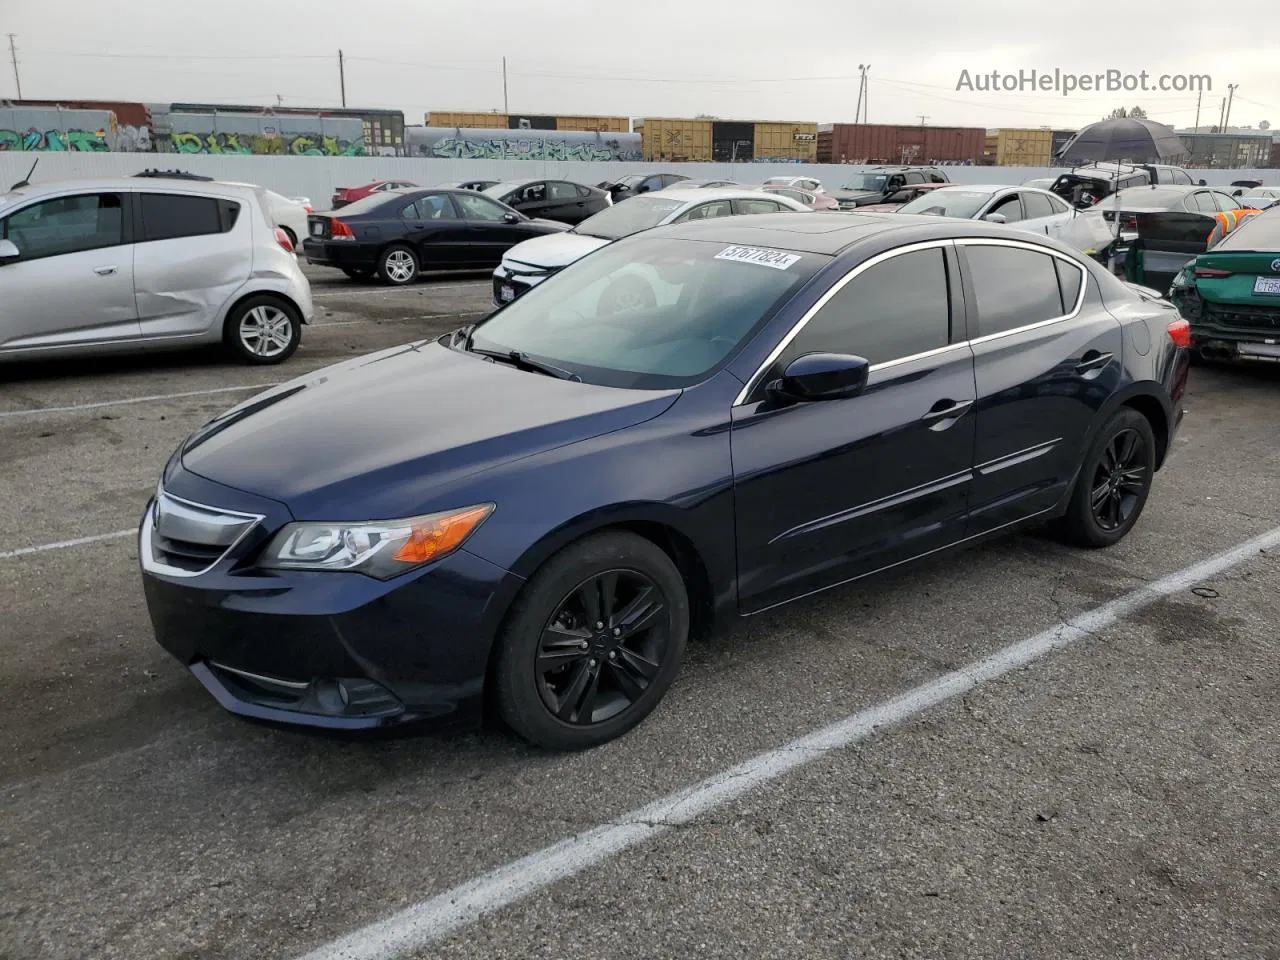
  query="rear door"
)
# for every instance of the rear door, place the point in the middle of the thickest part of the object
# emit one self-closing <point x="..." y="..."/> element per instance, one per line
<point x="564" y="203"/>
<point x="1040" y="214"/>
<point x="832" y="490"/>
<point x="745" y="207"/>
<point x="73" y="282"/>
<point x="1047" y="355"/>
<point x="435" y="230"/>
<point x="193" y="253"/>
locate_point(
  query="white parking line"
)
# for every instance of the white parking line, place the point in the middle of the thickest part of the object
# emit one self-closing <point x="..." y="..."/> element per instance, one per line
<point x="431" y="920"/>
<point x="147" y="399"/>
<point x="82" y="541"/>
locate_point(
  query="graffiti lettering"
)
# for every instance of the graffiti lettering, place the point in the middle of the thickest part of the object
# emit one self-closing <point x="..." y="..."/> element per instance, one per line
<point x="134" y="139"/>
<point x="455" y="148"/>
<point x="55" y="141"/>
<point x="302" y="145"/>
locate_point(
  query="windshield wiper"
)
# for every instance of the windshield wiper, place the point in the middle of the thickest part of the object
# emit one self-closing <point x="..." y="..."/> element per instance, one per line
<point x="522" y="361"/>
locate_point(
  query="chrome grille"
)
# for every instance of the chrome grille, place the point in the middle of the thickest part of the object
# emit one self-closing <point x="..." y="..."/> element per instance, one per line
<point x="181" y="538"/>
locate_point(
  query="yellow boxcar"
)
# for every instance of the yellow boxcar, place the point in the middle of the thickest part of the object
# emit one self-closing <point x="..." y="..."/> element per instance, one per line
<point x="455" y="118"/>
<point x="1023" y="147"/>
<point x="785" y="140"/>
<point x="666" y="139"/>
<point x="595" y="124"/>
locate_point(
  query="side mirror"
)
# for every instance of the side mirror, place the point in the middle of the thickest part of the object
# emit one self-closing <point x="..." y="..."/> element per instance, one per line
<point x="511" y="218"/>
<point x="1202" y="183"/>
<point x="996" y="218"/>
<point x="821" y="376"/>
<point x="9" y="251"/>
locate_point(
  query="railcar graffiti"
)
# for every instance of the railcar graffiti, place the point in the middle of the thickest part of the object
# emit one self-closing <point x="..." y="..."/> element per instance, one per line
<point x="55" y="141"/>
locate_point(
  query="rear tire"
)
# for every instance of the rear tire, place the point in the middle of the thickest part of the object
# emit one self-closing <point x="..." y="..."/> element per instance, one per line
<point x="551" y="646"/>
<point x="398" y="265"/>
<point x="263" y="330"/>
<point x="1113" y="485"/>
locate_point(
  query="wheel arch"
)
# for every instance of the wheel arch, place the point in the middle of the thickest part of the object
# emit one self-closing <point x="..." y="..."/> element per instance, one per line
<point x="276" y="295"/>
<point x="710" y="595"/>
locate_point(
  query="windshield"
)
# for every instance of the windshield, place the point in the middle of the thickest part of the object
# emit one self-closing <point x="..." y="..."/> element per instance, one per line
<point x="630" y="216"/>
<point x="648" y="313"/>
<point x="629" y="181"/>
<point x="868" y="181"/>
<point x="948" y="203"/>
<point x="1260" y="232"/>
<point x="500" y="190"/>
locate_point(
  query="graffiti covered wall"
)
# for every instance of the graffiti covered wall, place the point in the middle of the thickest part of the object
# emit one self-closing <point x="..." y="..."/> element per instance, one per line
<point x="246" y="134"/>
<point x="51" y="129"/>
<point x="502" y="144"/>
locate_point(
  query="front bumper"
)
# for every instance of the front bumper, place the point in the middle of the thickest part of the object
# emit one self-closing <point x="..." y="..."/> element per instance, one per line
<point x="509" y="283"/>
<point x="334" y="650"/>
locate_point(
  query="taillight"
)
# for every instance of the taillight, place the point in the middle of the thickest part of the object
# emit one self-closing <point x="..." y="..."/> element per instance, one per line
<point x="339" y="230"/>
<point x="282" y="238"/>
<point x="310" y="210"/>
<point x="1180" y="332"/>
<point x="1210" y="272"/>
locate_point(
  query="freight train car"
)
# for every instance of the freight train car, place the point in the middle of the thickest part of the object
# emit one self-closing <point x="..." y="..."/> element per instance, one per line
<point x="899" y="143"/>
<point x="503" y="143"/>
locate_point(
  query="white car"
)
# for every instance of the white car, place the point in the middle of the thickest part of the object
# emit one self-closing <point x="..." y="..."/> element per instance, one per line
<point x="1021" y="207"/>
<point x="290" y="214"/>
<point x="800" y="183"/>
<point x="529" y="263"/>
<point x="119" y="265"/>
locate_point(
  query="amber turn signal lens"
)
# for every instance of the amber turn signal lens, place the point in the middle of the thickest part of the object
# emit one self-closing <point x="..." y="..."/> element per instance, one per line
<point x="441" y="535"/>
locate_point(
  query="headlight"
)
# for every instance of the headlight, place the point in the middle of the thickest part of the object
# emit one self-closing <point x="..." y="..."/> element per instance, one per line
<point x="381" y="549"/>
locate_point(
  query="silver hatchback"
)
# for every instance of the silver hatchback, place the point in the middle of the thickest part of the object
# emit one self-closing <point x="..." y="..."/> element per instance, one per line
<point x="116" y="265"/>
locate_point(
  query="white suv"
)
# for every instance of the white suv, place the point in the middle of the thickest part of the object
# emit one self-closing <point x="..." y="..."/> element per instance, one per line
<point x="114" y="265"/>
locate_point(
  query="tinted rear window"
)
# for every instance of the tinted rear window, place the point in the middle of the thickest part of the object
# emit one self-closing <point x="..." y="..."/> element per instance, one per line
<point x="168" y="216"/>
<point x="371" y="203"/>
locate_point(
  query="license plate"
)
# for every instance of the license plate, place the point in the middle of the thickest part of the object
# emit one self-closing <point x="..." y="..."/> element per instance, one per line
<point x="507" y="293"/>
<point x="317" y="229"/>
<point x="1267" y="285"/>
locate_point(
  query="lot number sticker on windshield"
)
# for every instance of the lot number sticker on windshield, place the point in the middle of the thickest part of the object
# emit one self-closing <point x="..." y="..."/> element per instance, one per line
<point x="766" y="258"/>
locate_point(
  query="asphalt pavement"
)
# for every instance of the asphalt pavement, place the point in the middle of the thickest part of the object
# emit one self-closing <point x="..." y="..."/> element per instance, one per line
<point x="1116" y="797"/>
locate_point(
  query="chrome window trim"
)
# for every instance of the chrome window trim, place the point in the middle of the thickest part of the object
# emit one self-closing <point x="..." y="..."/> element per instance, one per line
<point x="1034" y="248"/>
<point x="754" y="380"/>
<point x="147" y="558"/>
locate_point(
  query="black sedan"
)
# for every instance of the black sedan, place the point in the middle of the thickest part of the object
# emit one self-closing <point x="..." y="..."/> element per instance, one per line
<point x="537" y="511"/>
<point x="559" y="200"/>
<point x="634" y="184"/>
<point x="400" y="233"/>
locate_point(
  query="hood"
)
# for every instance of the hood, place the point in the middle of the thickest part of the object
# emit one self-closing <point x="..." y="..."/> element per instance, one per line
<point x="555" y="251"/>
<point x="860" y="195"/>
<point x="384" y="436"/>
<point x="551" y="226"/>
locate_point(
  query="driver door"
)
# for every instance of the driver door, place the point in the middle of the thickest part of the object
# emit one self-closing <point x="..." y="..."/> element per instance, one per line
<point x="1009" y="207"/>
<point x="831" y="490"/>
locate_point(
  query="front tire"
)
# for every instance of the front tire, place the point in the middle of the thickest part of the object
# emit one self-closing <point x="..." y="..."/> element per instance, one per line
<point x="398" y="265"/>
<point x="593" y="642"/>
<point x="1113" y="485"/>
<point x="263" y="331"/>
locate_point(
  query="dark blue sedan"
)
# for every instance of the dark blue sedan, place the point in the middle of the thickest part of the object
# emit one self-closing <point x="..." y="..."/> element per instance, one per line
<point x="537" y="512"/>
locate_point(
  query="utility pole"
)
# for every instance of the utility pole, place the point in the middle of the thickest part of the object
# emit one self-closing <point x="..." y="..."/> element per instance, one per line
<point x="1231" y="92"/>
<point x="13" y="55"/>
<point x="342" y="78"/>
<point x="922" y="117"/>
<point x="505" y="108"/>
<point x="1199" y="97"/>
<point x="1222" y="113"/>
<point x="862" y="88"/>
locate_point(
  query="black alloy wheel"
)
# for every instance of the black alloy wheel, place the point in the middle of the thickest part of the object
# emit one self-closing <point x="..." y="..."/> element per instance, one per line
<point x="602" y="647"/>
<point x="1113" y="484"/>
<point x="592" y="643"/>
<point x="1119" y="481"/>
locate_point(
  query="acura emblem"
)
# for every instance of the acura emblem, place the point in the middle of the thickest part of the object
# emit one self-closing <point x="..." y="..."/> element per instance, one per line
<point x="1275" y="264"/>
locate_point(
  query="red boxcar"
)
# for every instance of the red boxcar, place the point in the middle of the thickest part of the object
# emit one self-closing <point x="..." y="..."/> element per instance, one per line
<point x="899" y="143"/>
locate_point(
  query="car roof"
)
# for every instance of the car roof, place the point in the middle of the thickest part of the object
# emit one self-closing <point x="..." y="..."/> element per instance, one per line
<point x="977" y="187"/>
<point x="703" y="194"/>
<point x="832" y="234"/>
<point x="128" y="184"/>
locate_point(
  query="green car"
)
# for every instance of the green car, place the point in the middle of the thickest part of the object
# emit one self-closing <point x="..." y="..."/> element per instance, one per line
<point x="1231" y="294"/>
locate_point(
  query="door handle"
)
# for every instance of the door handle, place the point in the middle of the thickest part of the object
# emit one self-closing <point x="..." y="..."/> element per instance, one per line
<point x="1091" y="361"/>
<point x="104" y="271"/>
<point x="945" y="410"/>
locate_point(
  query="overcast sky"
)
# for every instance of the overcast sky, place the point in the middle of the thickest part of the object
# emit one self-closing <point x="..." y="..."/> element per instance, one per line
<point x="762" y="60"/>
